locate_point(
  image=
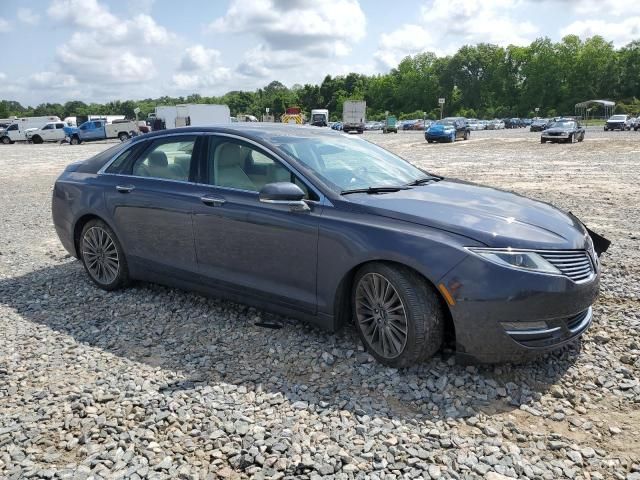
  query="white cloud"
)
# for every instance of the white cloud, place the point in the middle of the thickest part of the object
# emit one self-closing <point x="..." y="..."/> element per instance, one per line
<point x="198" y="57"/>
<point x="619" y="32"/>
<point x="28" y="16"/>
<point x="52" y="80"/>
<point x="4" y="26"/>
<point x="83" y="13"/>
<point x="445" y="26"/>
<point x="3" y="76"/>
<point x="292" y="32"/>
<point x="591" y="8"/>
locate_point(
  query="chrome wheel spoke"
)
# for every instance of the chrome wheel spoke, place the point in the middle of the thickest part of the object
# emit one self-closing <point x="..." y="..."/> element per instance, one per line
<point x="100" y="255"/>
<point x="381" y="315"/>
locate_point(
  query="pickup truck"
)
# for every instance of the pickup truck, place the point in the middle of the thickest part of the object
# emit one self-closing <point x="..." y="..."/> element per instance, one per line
<point x="100" y="130"/>
<point x="51" y="132"/>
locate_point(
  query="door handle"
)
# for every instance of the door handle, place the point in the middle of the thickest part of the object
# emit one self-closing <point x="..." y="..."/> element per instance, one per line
<point x="124" y="188"/>
<point x="213" y="201"/>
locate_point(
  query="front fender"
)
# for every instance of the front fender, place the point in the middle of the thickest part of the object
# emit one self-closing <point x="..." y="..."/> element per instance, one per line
<point x="348" y="240"/>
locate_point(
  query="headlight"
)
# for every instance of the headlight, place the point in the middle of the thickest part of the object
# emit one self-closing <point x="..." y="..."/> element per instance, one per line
<point x="520" y="259"/>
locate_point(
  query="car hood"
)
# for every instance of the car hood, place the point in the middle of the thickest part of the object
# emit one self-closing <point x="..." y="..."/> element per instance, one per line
<point x="493" y="217"/>
<point x="616" y="121"/>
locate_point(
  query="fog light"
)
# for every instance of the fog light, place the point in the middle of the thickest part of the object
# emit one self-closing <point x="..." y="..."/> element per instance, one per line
<point x="524" y="326"/>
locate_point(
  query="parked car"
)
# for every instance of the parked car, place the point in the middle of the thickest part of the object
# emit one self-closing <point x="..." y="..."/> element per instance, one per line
<point x="636" y="124"/>
<point x="448" y="130"/>
<point x="495" y="124"/>
<point x="345" y="232"/>
<point x="336" y="126"/>
<point x="100" y="130"/>
<point x="51" y="132"/>
<point x="17" y="130"/>
<point x="473" y="124"/>
<point x="564" y="130"/>
<point x="539" y="124"/>
<point x="512" y="123"/>
<point x="618" y="122"/>
<point x="482" y="124"/>
<point x="408" y="124"/>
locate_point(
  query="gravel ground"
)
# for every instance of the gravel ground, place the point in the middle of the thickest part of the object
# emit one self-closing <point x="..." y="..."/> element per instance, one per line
<point x="152" y="382"/>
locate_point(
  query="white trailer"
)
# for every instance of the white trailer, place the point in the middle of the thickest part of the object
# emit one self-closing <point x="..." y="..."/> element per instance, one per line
<point x="192" y="115"/>
<point x="354" y="113"/>
<point x="16" y="132"/>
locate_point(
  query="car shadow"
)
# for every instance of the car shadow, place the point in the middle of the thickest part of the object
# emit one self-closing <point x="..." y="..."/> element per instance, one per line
<point x="210" y="342"/>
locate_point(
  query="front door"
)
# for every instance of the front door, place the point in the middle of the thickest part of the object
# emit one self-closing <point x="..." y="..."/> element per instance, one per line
<point x="151" y="199"/>
<point x="254" y="247"/>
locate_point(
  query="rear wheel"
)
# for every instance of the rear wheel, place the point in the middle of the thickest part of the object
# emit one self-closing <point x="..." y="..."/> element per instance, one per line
<point x="123" y="137"/>
<point x="466" y="135"/>
<point x="542" y="140"/>
<point x="102" y="256"/>
<point x="398" y="316"/>
<point x="6" y="140"/>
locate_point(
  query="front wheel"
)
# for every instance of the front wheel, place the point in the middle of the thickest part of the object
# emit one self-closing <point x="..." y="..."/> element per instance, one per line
<point x="542" y="140"/>
<point x="74" y="140"/>
<point x="466" y="135"/>
<point x="398" y="315"/>
<point x="102" y="256"/>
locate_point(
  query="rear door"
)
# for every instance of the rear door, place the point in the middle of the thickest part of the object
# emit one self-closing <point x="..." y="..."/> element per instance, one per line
<point x="247" y="245"/>
<point x="150" y="197"/>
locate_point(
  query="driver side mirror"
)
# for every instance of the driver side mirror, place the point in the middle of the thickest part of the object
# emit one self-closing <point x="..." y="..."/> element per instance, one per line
<point x="284" y="193"/>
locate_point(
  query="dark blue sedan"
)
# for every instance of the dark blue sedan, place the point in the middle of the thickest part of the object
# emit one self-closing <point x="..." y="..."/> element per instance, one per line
<point x="332" y="229"/>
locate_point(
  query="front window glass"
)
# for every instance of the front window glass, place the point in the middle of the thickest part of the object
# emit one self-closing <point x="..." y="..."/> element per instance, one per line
<point x="168" y="159"/>
<point x="12" y="127"/>
<point x="238" y="165"/>
<point x="47" y="127"/>
<point x="349" y="163"/>
<point x="446" y="122"/>
<point x="564" y="124"/>
<point x="619" y="117"/>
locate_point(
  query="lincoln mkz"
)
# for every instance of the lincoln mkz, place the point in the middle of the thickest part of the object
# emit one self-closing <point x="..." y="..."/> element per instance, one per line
<point x="330" y="229"/>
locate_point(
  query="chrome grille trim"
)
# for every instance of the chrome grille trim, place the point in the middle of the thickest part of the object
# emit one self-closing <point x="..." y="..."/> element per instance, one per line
<point x="575" y="264"/>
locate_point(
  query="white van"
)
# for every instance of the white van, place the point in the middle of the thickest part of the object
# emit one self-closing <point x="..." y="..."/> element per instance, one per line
<point x="17" y="131"/>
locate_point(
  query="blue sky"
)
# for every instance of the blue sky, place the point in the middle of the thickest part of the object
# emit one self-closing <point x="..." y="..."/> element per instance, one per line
<point x="98" y="50"/>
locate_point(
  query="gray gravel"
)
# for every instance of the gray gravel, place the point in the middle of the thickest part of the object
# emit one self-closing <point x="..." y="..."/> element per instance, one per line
<point x="152" y="382"/>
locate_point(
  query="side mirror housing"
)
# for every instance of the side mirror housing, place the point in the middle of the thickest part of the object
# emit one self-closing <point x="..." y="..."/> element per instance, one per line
<point x="284" y="193"/>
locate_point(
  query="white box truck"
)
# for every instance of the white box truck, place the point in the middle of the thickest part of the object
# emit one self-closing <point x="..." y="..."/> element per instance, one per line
<point x="190" y="115"/>
<point x="17" y="131"/>
<point x="354" y="113"/>
<point x="319" y="117"/>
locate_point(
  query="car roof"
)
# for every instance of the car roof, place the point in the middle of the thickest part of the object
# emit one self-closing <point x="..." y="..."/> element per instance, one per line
<point x="251" y="130"/>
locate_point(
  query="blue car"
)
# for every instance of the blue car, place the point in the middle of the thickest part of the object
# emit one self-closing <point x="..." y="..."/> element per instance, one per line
<point x="448" y="130"/>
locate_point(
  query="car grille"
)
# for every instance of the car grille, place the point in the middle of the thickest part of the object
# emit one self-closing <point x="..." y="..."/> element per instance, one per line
<point x="575" y="264"/>
<point x="554" y="134"/>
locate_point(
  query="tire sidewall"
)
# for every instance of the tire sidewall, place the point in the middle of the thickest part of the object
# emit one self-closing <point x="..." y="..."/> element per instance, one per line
<point x="412" y="353"/>
<point x="122" y="279"/>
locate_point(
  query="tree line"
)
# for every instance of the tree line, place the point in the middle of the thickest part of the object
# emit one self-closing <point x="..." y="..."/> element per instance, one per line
<point x="484" y="81"/>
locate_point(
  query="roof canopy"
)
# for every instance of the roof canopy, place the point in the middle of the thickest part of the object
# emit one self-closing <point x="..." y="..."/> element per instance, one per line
<point x="604" y="103"/>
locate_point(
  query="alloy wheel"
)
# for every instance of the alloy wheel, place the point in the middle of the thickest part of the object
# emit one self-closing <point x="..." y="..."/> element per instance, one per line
<point x="381" y="315"/>
<point x="100" y="255"/>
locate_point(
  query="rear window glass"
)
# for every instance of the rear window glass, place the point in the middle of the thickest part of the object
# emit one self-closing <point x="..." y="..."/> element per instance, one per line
<point x="95" y="163"/>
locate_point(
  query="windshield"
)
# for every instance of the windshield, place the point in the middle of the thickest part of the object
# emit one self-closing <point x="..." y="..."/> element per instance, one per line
<point x="563" y="124"/>
<point x="618" y="117"/>
<point x="350" y="163"/>
<point x="444" y="122"/>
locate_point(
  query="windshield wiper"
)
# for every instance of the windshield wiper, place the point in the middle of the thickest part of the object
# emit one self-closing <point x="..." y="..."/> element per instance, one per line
<point x="373" y="190"/>
<point x="422" y="181"/>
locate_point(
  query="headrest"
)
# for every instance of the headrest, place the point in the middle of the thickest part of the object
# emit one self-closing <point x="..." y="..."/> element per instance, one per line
<point x="228" y="155"/>
<point x="158" y="159"/>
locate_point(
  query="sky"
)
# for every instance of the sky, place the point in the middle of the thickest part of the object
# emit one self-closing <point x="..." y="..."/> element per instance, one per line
<point x="101" y="50"/>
